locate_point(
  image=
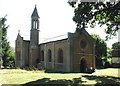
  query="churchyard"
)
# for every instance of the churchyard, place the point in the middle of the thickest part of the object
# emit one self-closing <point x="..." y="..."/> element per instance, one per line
<point x="24" y="77"/>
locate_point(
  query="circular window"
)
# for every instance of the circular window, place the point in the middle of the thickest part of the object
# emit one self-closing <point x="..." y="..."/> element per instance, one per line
<point x="83" y="44"/>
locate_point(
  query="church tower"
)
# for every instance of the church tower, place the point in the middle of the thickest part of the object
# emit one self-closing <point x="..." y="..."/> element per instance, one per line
<point x="34" y="38"/>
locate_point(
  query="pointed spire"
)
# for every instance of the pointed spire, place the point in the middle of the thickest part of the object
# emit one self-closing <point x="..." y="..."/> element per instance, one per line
<point x="35" y="13"/>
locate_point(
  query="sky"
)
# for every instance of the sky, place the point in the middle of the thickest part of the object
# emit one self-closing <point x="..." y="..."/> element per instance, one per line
<point x="55" y="19"/>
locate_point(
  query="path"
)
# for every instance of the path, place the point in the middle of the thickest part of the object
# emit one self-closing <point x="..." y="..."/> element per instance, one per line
<point x="107" y="72"/>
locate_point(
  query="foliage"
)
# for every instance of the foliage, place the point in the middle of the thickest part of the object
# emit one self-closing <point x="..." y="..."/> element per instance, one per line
<point x="109" y="52"/>
<point x="102" y="13"/>
<point x="7" y="51"/>
<point x="116" y="45"/>
<point x="100" y="49"/>
<point x="108" y="57"/>
<point x="101" y="46"/>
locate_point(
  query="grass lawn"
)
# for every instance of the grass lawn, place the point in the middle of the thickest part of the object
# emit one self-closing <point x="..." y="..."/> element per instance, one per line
<point x="18" y="76"/>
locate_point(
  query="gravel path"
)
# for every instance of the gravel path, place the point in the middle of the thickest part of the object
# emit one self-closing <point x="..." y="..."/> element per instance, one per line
<point x="107" y="72"/>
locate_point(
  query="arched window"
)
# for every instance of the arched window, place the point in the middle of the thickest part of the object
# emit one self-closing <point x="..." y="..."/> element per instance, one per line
<point x="42" y="55"/>
<point x="49" y="56"/>
<point x="60" y="56"/>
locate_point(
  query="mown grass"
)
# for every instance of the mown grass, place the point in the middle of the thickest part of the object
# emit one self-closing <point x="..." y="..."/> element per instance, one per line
<point x="18" y="76"/>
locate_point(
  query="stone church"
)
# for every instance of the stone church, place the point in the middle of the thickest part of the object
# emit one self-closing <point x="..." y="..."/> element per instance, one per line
<point x="76" y="53"/>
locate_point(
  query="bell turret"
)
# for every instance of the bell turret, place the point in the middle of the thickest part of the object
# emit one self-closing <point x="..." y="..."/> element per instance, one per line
<point x="35" y="19"/>
<point x="34" y="37"/>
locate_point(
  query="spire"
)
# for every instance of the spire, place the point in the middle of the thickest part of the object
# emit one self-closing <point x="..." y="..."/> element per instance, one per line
<point x="35" y="13"/>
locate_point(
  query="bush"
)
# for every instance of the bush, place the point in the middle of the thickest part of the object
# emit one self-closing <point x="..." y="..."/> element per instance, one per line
<point x="107" y="65"/>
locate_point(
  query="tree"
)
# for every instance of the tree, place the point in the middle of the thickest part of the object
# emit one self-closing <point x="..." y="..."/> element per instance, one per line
<point x="0" y="44"/>
<point x="102" y="13"/>
<point x="7" y="51"/>
<point x="116" y="45"/>
<point x="109" y="53"/>
<point x="100" y="49"/>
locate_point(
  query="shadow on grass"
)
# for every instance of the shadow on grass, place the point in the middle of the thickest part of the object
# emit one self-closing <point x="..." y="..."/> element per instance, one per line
<point x="100" y="81"/>
<point x="104" y="80"/>
<point x="61" y="82"/>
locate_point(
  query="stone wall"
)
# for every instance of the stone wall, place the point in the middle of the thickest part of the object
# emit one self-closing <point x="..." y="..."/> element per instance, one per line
<point x="26" y="45"/>
<point x="18" y="51"/>
<point x="82" y="51"/>
<point x="54" y="47"/>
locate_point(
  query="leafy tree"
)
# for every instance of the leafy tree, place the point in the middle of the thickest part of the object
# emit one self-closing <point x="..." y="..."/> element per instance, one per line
<point x="116" y="45"/>
<point x="100" y="49"/>
<point x="109" y="52"/>
<point x="107" y="62"/>
<point x="7" y="51"/>
<point x="102" y="13"/>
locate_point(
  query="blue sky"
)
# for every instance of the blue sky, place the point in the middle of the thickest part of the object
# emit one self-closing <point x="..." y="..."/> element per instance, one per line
<point x="55" y="19"/>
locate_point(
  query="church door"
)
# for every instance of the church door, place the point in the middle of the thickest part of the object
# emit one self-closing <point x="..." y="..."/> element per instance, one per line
<point x="83" y="66"/>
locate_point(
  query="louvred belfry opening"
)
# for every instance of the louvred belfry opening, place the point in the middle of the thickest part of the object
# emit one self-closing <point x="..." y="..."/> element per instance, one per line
<point x="35" y="19"/>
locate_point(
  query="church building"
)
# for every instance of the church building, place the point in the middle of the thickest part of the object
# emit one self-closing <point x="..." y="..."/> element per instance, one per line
<point x="76" y="53"/>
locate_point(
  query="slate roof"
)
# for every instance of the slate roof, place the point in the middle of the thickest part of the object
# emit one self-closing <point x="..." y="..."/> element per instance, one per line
<point x="56" y="38"/>
<point x="35" y="13"/>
